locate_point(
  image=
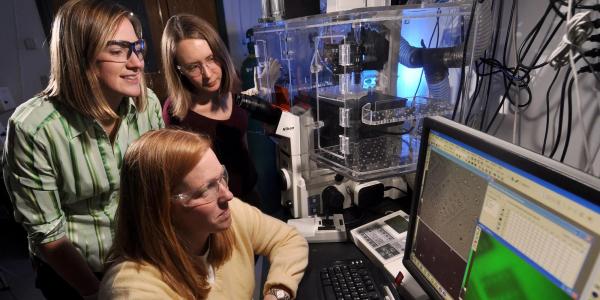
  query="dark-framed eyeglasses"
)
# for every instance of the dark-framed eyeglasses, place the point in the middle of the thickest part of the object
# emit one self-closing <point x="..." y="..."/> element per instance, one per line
<point x="121" y="51"/>
<point x="205" y="195"/>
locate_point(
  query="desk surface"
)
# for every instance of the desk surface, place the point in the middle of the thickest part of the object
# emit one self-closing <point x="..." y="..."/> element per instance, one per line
<point x="321" y="255"/>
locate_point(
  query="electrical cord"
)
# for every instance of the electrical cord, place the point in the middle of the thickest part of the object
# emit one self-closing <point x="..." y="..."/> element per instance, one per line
<point x="489" y="84"/>
<point x="533" y="33"/>
<point x="580" y="32"/>
<point x="435" y="28"/>
<point x="472" y="99"/>
<point x="548" y="110"/>
<point x="560" y="112"/>
<point x="592" y="52"/>
<point x="545" y="46"/>
<point x="478" y="81"/>
<point x="557" y="9"/>
<point x="510" y="74"/>
<point x="520" y="77"/>
<point x="464" y="60"/>
<point x="479" y="77"/>
<point x="578" y="29"/>
<point x="507" y="97"/>
<point x="595" y="38"/>
<point x="508" y="31"/>
<point x="589" y="68"/>
<point x="569" y="119"/>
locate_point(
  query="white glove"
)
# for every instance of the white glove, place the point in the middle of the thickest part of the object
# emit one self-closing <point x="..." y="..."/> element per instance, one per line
<point x="264" y="81"/>
<point x="250" y="92"/>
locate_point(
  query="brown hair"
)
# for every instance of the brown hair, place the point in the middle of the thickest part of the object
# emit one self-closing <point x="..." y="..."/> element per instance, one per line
<point x="181" y="27"/>
<point x="152" y="168"/>
<point x="80" y="31"/>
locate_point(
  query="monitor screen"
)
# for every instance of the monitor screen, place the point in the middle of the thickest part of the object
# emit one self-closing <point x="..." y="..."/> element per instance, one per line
<point x="494" y="221"/>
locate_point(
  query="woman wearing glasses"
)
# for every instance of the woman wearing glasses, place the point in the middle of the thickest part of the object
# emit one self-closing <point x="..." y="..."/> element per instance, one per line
<point x="181" y="234"/>
<point x="201" y="78"/>
<point x="64" y="147"/>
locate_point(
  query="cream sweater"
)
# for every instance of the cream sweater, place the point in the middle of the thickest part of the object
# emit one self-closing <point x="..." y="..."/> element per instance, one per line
<point x="255" y="233"/>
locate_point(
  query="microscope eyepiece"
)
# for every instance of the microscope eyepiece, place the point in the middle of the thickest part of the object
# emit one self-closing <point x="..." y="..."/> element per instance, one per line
<point x="258" y="108"/>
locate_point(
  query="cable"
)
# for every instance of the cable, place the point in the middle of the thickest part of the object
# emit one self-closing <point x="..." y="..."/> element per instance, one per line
<point x="478" y="81"/>
<point x="589" y="68"/>
<point x="513" y="75"/>
<point x="548" y="110"/>
<point x="464" y="59"/>
<point x="561" y="111"/>
<point x="435" y="28"/>
<point x="578" y="97"/>
<point x="496" y="38"/>
<point x="591" y="53"/>
<point x="510" y="74"/>
<point x="545" y="45"/>
<point x="517" y="114"/>
<point x="537" y="57"/>
<point x="557" y="10"/>
<point x="569" y="120"/>
<point x="533" y="33"/>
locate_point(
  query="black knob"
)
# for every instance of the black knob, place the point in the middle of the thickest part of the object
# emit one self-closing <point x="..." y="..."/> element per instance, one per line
<point x="333" y="200"/>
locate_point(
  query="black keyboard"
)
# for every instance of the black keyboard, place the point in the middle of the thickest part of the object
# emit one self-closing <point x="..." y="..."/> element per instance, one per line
<point x="349" y="279"/>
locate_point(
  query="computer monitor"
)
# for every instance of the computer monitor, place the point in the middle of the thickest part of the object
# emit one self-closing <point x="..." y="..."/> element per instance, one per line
<point x="491" y="220"/>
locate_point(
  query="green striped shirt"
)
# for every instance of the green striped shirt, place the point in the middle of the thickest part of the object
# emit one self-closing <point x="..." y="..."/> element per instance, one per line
<point x="62" y="172"/>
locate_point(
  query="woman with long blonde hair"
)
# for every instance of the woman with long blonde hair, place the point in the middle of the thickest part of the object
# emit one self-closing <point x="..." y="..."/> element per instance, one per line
<point x="201" y="79"/>
<point x="181" y="234"/>
<point x="64" y="147"/>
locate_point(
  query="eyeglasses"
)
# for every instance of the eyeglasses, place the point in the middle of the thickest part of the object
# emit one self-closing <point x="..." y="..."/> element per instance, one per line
<point x="197" y="69"/>
<point x="120" y="51"/>
<point x="205" y="195"/>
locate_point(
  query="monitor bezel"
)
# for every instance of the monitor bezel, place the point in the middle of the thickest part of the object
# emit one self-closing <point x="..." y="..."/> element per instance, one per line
<point x="556" y="173"/>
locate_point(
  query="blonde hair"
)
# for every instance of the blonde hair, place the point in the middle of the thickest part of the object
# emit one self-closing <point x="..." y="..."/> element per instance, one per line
<point x="152" y="168"/>
<point x="181" y="27"/>
<point x="80" y="31"/>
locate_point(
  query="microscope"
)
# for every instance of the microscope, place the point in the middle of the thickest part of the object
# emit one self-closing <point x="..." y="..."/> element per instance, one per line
<point x="315" y="195"/>
<point x="315" y="192"/>
<point x="344" y="96"/>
